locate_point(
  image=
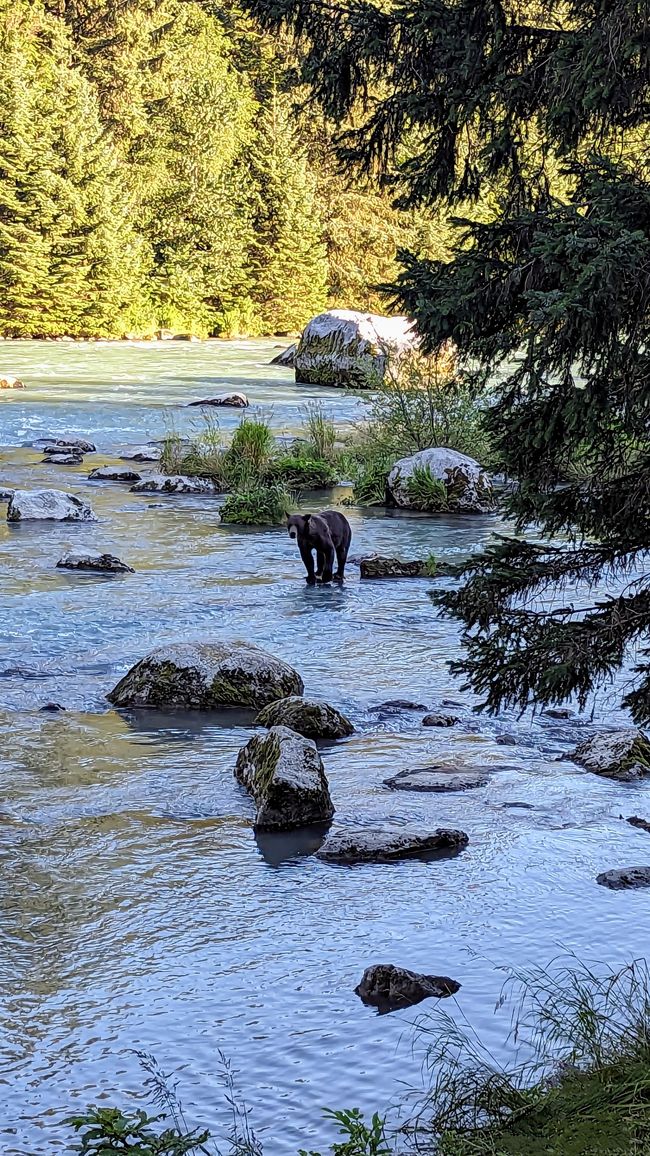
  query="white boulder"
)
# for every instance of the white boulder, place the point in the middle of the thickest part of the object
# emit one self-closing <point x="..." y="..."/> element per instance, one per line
<point x="346" y="347"/>
<point x="48" y="506"/>
<point x="174" y="484"/>
<point x="467" y="486"/>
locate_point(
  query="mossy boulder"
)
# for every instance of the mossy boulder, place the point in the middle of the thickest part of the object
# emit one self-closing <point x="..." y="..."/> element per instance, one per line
<point x="284" y="773"/>
<point x="314" y="720"/>
<point x="206" y="676"/>
<point x="622" y="755"/>
<point x="347" y="347"/>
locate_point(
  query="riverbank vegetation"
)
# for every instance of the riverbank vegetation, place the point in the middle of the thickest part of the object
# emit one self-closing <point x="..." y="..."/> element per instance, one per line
<point x="539" y="114"/>
<point x="581" y="1089"/>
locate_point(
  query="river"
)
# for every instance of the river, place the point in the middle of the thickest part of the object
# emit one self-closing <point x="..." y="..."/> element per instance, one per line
<point x="137" y="909"/>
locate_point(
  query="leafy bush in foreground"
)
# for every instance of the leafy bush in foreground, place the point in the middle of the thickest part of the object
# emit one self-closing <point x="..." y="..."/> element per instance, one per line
<point x="257" y="505"/>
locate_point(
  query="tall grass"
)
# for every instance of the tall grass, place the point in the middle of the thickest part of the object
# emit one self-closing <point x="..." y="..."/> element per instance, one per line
<point x="321" y="433"/>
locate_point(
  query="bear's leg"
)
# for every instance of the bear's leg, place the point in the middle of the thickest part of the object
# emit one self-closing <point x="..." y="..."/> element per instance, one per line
<point x="328" y="564"/>
<point x="341" y="559"/>
<point x="308" y="559"/>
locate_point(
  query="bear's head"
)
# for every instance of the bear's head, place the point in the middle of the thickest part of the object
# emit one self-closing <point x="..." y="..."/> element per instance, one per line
<point x="298" y="526"/>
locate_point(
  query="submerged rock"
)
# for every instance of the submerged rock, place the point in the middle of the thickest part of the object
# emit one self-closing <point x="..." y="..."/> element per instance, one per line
<point x="52" y="707"/>
<point x="346" y="347"/>
<point x="635" y="821"/>
<point x="366" y="846"/>
<point x="394" y="706"/>
<point x="141" y="454"/>
<point x="440" y="720"/>
<point x="625" y="878"/>
<point x="467" y="487"/>
<point x="174" y="484"/>
<point x="284" y="773"/>
<point x="206" y="676"/>
<point x="315" y="720"/>
<point x="63" y="459"/>
<point x="623" y="755"/>
<point x="48" y="506"/>
<point x="229" y="400"/>
<point x="7" y="382"/>
<point x="107" y="563"/>
<point x="388" y="988"/>
<point x="113" y="474"/>
<point x="436" y="779"/>
<point x="558" y="712"/>
<point x="287" y="358"/>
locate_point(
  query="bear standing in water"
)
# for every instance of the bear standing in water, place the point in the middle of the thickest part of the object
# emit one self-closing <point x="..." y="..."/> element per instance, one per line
<point x="328" y="534"/>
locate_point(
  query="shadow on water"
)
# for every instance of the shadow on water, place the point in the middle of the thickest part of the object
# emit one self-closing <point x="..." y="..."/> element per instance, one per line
<point x="278" y="847"/>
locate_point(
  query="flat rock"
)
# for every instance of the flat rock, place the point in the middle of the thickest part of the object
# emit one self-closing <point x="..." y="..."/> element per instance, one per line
<point x="367" y="846"/>
<point x="207" y="676"/>
<point x="625" y="878"/>
<point x="468" y="488"/>
<point x="395" y="705"/>
<point x="63" y="459"/>
<point x="440" y="720"/>
<point x="635" y="821"/>
<point x="436" y="779"/>
<point x="623" y="755"/>
<point x="113" y="474"/>
<point x="558" y="712"/>
<point x="376" y="567"/>
<point x="48" y="506"/>
<point x="7" y="382"/>
<point x="228" y="400"/>
<point x="287" y="358"/>
<point x="388" y="987"/>
<point x="174" y="484"/>
<point x="314" y="720"/>
<point x="284" y="773"/>
<point x="67" y="445"/>
<point x="107" y="563"/>
<point x="52" y="707"/>
<point x="141" y="454"/>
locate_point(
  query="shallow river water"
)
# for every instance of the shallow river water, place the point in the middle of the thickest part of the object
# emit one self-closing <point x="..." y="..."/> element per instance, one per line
<point x="137" y="909"/>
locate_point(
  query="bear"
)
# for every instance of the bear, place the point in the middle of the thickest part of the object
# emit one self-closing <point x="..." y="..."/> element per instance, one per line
<point x="328" y="534"/>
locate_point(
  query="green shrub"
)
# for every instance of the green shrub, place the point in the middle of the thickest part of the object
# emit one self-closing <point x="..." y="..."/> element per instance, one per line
<point x="257" y="504"/>
<point x="105" y="1130"/>
<point x="301" y="471"/>
<point x="426" y="492"/>
<point x="250" y="452"/>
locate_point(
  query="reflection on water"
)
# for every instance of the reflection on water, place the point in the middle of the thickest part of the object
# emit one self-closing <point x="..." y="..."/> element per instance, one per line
<point x="137" y="908"/>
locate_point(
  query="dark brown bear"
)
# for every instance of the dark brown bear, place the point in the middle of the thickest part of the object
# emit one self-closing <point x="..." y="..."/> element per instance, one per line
<point x="328" y="534"/>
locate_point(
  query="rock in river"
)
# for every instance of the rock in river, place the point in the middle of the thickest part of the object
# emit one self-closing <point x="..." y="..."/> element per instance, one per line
<point x="387" y="987"/>
<point x="314" y="720"/>
<point x="65" y="445"/>
<point x="436" y="779"/>
<point x="174" y="484"/>
<point x="107" y="563"/>
<point x="287" y="358"/>
<point x="346" y="347"/>
<point x="367" y="846"/>
<point x="113" y="474"/>
<point x="227" y="400"/>
<point x="142" y="454"/>
<point x="440" y="720"/>
<point x="623" y="755"/>
<point x="468" y="489"/>
<point x="625" y="878"/>
<point x="48" y="505"/>
<point x="207" y="676"/>
<point x="7" y="382"/>
<point x="284" y="773"/>
<point x="63" y="459"/>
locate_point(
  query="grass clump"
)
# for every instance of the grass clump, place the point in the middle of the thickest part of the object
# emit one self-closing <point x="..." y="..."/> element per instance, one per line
<point x="201" y="456"/>
<point x="582" y="1090"/>
<point x="257" y="504"/>
<point x="425" y="492"/>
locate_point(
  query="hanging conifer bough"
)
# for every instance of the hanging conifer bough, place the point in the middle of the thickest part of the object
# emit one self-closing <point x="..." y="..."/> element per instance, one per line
<point x="543" y="107"/>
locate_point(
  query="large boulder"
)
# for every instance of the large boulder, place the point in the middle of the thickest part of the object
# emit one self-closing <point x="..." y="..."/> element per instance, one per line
<point x="314" y="720"/>
<point x="387" y="987"/>
<point x="206" y="676"/>
<point x="48" y="506"/>
<point x="622" y="755"/>
<point x="287" y="358"/>
<point x="346" y="347"/>
<point x="105" y="563"/>
<point x="466" y="487"/>
<point x="284" y="773"/>
<point x="624" y="878"/>
<point x="174" y="484"/>
<point x="367" y="846"/>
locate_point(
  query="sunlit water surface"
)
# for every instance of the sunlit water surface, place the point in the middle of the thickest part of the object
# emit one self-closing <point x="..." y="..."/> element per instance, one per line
<point x="138" y="910"/>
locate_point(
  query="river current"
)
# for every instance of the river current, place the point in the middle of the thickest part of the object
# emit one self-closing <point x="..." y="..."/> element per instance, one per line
<point x="138" y="911"/>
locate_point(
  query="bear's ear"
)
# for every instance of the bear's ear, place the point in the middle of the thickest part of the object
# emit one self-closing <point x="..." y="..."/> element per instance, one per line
<point x="305" y="519"/>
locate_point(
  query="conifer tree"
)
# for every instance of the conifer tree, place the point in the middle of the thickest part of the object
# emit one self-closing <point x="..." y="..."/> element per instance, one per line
<point x="460" y="99"/>
<point x="288" y="266"/>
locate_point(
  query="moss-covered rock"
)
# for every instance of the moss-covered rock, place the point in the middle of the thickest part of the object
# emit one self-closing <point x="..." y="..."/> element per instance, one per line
<point x="623" y="755"/>
<point x="284" y="773"/>
<point x="314" y="720"/>
<point x="206" y="676"/>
